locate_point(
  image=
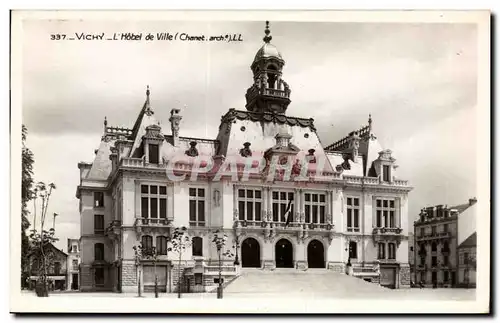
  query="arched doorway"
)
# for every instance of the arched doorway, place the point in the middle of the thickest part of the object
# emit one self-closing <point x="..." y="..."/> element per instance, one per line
<point x="284" y="254"/>
<point x="315" y="254"/>
<point x="250" y="253"/>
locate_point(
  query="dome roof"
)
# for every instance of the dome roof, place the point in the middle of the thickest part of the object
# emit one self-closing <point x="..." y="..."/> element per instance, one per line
<point x="267" y="51"/>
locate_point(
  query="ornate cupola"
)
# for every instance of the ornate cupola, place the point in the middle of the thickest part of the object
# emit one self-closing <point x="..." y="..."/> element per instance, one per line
<point x="269" y="92"/>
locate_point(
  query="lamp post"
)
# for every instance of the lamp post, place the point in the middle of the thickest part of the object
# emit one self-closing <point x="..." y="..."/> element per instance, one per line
<point x="348" y="249"/>
<point x="138" y="256"/>
<point x="236" y="259"/>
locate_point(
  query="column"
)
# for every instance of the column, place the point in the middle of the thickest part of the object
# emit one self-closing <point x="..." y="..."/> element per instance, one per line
<point x="265" y="194"/>
<point x="296" y="205"/>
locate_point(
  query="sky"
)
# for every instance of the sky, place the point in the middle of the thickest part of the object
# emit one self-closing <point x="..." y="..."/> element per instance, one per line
<point x="418" y="81"/>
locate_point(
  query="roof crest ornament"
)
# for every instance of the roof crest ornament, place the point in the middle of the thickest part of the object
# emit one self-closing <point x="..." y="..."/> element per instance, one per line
<point x="267" y="38"/>
<point x="148" y="109"/>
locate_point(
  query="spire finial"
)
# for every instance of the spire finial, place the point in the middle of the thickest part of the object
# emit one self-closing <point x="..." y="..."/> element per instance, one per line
<point x="105" y="121"/>
<point x="268" y="37"/>
<point x="370" y="120"/>
<point x="149" y="111"/>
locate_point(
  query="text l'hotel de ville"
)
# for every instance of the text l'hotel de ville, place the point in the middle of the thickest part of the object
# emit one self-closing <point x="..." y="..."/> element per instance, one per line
<point x="165" y="36"/>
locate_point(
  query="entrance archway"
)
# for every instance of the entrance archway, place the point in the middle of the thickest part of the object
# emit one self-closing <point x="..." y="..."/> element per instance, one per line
<point x="284" y="254"/>
<point x="250" y="253"/>
<point x="315" y="254"/>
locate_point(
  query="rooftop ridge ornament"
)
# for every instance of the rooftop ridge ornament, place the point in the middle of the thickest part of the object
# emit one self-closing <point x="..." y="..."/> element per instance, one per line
<point x="267" y="38"/>
<point x="148" y="109"/>
<point x="370" y="121"/>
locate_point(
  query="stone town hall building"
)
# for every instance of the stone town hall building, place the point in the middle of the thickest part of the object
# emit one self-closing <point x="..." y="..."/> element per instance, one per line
<point x="347" y="211"/>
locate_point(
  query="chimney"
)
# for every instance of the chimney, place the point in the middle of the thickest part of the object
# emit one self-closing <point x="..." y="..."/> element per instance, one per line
<point x="175" y="120"/>
<point x="472" y="201"/>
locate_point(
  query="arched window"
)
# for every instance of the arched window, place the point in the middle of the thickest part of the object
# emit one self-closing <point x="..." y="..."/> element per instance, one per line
<point x="272" y="76"/>
<point x="161" y="245"/>
<point x="147" y="242"/>
<point x="197" y="246"/>
<point x="381" y="250"/>
<point x="99" y="251"/>
<point x="434" y="246"/>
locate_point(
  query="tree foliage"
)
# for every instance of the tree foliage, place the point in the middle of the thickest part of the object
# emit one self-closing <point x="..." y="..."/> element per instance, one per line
<point x="27" y="160"/>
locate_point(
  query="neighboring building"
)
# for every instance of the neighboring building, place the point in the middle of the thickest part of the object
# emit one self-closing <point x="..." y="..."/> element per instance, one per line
<point x="56" y="268"/>
<point x="73" y="277"/>
<point x="436" y="241"/>
<point x="467" y="262"/>
<point x="411" y="256"/>
<point x="306" y="206"/>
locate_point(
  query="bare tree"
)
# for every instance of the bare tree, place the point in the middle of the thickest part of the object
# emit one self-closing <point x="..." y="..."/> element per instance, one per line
<point x="41" y="241"/>
<point x="179" y="241"/>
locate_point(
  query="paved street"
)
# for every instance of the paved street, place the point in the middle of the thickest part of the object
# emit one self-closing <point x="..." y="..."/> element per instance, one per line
<point x="311" y="284"/>
<point x="400" y="294"/>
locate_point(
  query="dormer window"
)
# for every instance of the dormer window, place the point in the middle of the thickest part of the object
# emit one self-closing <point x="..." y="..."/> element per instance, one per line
<point x="154" y="153"/>
<point x="386" y="173"/>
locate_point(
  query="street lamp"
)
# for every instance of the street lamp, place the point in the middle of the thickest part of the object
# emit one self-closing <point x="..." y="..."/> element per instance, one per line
<point x="220" y="241"/>
<point x="236" y="259"/>
<point x="137" y="257"/>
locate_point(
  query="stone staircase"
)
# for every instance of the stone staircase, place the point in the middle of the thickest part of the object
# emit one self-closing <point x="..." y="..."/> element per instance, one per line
<point x="292" y="282"/>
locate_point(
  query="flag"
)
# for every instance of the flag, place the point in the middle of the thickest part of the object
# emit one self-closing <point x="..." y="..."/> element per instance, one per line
<point x="288" y="214"/>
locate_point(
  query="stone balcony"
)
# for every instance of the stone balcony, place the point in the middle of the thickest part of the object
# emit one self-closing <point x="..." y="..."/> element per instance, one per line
<point x="150" y="224"/>
<point x="434" y="236"/>
<point x="139" y="163"/>
<point x="361" y="180"/>
<point x="387" y="235"/>
<point x="292" y="226"/>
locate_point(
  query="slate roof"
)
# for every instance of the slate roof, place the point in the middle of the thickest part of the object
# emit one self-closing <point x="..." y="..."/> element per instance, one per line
<point x="469" y="242"/>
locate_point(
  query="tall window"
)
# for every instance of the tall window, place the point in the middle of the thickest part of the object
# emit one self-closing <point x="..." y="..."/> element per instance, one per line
<point x="446" y="247"/>
<point x="57" y="267"/>
<point x="197" y="207"/>
<point x="154" y="154"/>
<point x="466" y="258"/>
<point x="422" y="232"/>
<point x="353" y="214"/>
<point x="386" y="173"/>
<point x="353" y="250"/>
<point x="280" y="204"/>
<point x="391" y="247"/>
<point x="445" y="227"/>
<point x="98" y="224"/>
<point x="445" y="260"/>
<point x="315" y="207"/>
<point x="197" y="246"/>
<point x="446" y="276"/>
<point x="434" y="261"/>
<point x="381" y="250"/>
<point x="249" y="204"/>
<point x="433" y="230"/>
<point x="433" y="246"/>
<point x="161" y="245"/>
<point x="147" y="242"/>
<point x="98" y="199"/>
<point x="99" y="251"/>
<point x="153" y="202"/>
<point x="75" y="264"/>
<point x="386" y="213"/>
<point x="99" y="277"/>
<point x="422" y="260"/>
